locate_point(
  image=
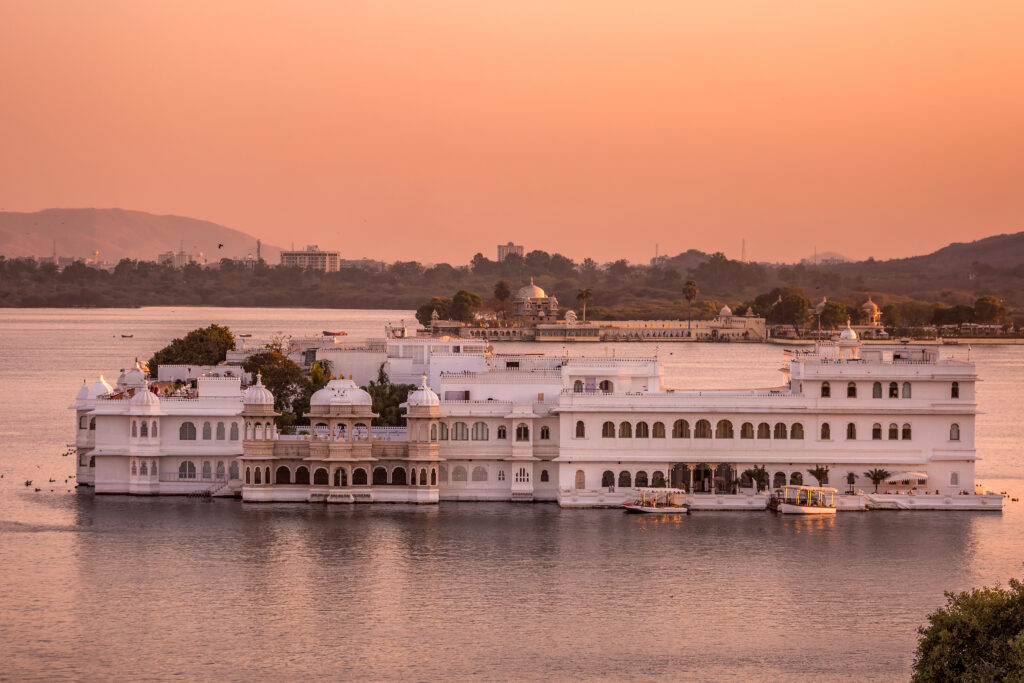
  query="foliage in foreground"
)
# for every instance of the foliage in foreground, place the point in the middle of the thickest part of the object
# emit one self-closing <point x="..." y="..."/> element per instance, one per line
<point x="977" y="636"/>
<point x="202" y="346"/>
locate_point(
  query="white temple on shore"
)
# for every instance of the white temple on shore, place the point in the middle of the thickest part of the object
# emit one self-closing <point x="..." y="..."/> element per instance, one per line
<point x="575" y="430"/>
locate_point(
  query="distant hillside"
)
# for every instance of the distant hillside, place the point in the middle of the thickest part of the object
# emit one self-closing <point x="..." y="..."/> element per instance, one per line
<point x="120" y="233"/>
<point x="999" y="251"/>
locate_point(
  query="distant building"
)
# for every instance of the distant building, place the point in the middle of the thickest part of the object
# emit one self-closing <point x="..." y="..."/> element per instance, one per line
<point x="180" y="259"/>
<point x="312" y="259"/>
<point x="532" y="302"/>
<point x="504" y="250"/>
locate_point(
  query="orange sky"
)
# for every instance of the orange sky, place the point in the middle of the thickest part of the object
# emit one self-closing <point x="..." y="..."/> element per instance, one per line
<point x="433" y="130"/>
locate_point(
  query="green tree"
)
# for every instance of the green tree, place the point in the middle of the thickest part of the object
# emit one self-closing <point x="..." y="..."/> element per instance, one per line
<point x="284" y="379"/>
<point x="989" y="309"/>
<point x="833" y="315"/>
<point x="977" y="636"/>
<point x="202" y="346"/>
<point x="387" y="398"/>
<point x="320" y="373"/>
<point x="820" y="473"/>
<point x="582" y="297"/>
<point x="426" y="311"/>
<point x="690" y="293"/>
<point x="791" y="309"/>
<point x="759" y="475"/>
<point x="465" y="305"/>
<point x="890" y="315"/>
<point x="877" y="476"/>
<point x="502" y="297"/>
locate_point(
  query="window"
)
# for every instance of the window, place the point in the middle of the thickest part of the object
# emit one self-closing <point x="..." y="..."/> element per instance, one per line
<point x="143" y="468"/>
<point x="954" y="390"/>
<point x="83" y="422"/>
<point x="319" y="477"/>
<point x="894" y="390"/>
<point x="625" y="430"/>
<point x="851" y="431"/>
<point x="702" y="430"/>
<point x="248" y="475"/>
<point x="187" y="432"/>
<point x="207" y="470"/>
<point x="135" y="470"/>
<point x="906" y="390"/>
<point x="501" y="475"/>
<point x="187" y="470"/>
<point x="796" y="431"/>
<point x="747" y="431"/>
<point x="851" y="390"/>
<point x="135" y="428"/>
<point x="581" y="479"/>
<point x="522" y="432"/>
<point x="606" y="386"/>
<point x="876" y="390"/>
<point x="545" y="433"/>
<point x="234" y="431"/>
<point x="358" y="477"/>
<point x="544" y="475"/>
<point x="658" y="479"/>
<point x="826" y="432"/>
<point x="780" y="430"/>
<point x="659" y="430"/>
<point x="502" y="432"/>
<point x="258" y="479"/>
<point x="398" y="477"/>
<point x="152" y="429"/>
<point x="723" y="430"/>
<point x="443" y="426"/>
<point x="796" y="479"/>
<point x="433" y="432"/>
<point x="608" y="430"/>
<point x="642" y="430"/>
<point x="681" y="429"/>
<point x="876" y="432"/>
<point x="625" y="479"/>
<point x="954" y="479"/>
<point x="581" y="430"/>
<point x="220" y="469"/>
<point x="577" y="386"/>
<point x="433" y="477"/>
<point x="233" y="470"/>
<point x="220" y="431"/>
<point x="480" y="432"/>
<point x="826" y="390"/>
<point x="894" y="431"/>
<point x="764" y="431"/>
<point x="607" y="479"/>
<point x="906" y="432"/>
<point x="207" y="432"/>
<point x="380" y="476"/>
<point x="423" y="477"/>
<point x="283" y="475"/>
<point x="92" y="424"/>
<point x="460" y="432"/>
<point x="954" y="432"/>
<point x="641" y="478"/>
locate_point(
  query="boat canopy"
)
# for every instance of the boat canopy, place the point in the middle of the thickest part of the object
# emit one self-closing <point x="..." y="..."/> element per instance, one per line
<point x="905" y="476"/>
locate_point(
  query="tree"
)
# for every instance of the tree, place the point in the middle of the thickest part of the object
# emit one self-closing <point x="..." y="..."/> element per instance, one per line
<point x="877" y="476"/>
<point x="759" y="475"/>
<point x="792" y="309"/>
<point x="426" y="311"/>
<point x="582" y="297"/>
<point x="502" y="297"/>
<point x="690" y="293"/>
<point x="320" y="373"/>
<point x="833" y="315"/>
<point x="989" y="309"/>
<point x="285" y="380"/>
<point x="977" y="636"/>
<point x="202" y="346"/>
<point x="387" y="398"/>
<point x="890" y="315"/>
<point x="851" y="479"/>
<point x="820" y="473"/>
<point x="465" y="304"/>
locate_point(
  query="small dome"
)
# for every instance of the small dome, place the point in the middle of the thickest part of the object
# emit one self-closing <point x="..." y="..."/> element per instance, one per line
<point x="424" y="396"/>
<point x="358" y="397"/>
<point x="725" y="312"/>
<point x="83" y="392"/>
<point x="322" y="397"/>
<point x="99" y="388"/>
<point x="145" y="397"/>
<point x="120" y="380"/>
<point x="258" y="394"/>
<point x="870" y="306"/>
<point x="848" y="334"/>
<point x="136" y="377"/>
<point x="530" y="291"/>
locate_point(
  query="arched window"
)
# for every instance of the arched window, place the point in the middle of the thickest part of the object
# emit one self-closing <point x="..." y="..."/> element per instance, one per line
<point x="423" y="477"/>
<point x="479" y="474"/>
<point x="233" y="470"/>
<point x="625" y="430"/>
<point x="258" y="477"/>
<point x="444" y="431"/>
<point x="581" y="479"/>
<point x="187" y="470"/>
<point x="266" y="474"/>
<point x="779" y="480"/>
<point x="207" y="431"/>
<point x="659" y="430"/>
<point x="681" y="429"/>
<point x="234" y="431"/>
<point x="135" y="469"/>
<point x="135" y="428"/>
<point x="545" y="433"/>
<point x="207" y="470"/>
<point x="906" y="432"/>
<point x="642" y="430"/>
<point x="398" y="477"/>
<point x="459" y="473"/>
<point x="954" y="432"/>
<point x="460" y="432"/>
<point x="747" y="431"/>
<point x="92" y="424"/>
<point x="544" y="475"/>
<point x="220" y="431"/>
<point x="826" y="432"/>
<point x="480" y="432"/>
<point x="339" y="477"/>
<point x="83" y="422"/>
<point x="433" y="432"/>
<point x="320" y="477"/>
<point x="764" y="431"/>
<point x="283" y="475"/>
<point x="894" y="390"/>
<point x="894" y="431"/>
<point x="702" y="430"/>
<point x="723" y="430"/>
<point x="144" y="429"/>
<point x="258" y="431"/>
<point x="143" y="467"/>
<point x="358" y="477"/>
<point x="851" y="431"/>
<point x="606" y="386"/>
<point x="851" y="390"/>
<point x="658" y="479"/>
<point x="433" y="477"/>
<point x="780" y="430"/>
<point x="577" y="386"/>
<point x="796" y="479"/>
<point x="380" y="476"/>
<point x="796" y="431"/>
<point x="906" y="390"/>
<point x="826" y="390"/>
<point x="876" y="390"/>
<point x="248" y="475"/>
<point x="876" y="432"/>
<point x="954" y="479"/>
<point x="607" y="479"/>
<point x="502" y="432"/>
<point x="641" y="478"/>
<point x="625" y="479"/>
<point x="522" y="432"/>
<point x="954" y="390"/>
<point x="581" y="429"/>
<point x="220" y="469"/>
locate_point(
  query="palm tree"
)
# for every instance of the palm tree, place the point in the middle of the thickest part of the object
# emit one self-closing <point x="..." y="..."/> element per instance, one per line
<point x="690" y="293"/>
<point x="877" y="476"/>
<point x="759" y="475"/>
<point x="320" y="373"/>
<point x="851" y="479"/>
<point x="820" y="473"/>
<point x="582" y="297"/>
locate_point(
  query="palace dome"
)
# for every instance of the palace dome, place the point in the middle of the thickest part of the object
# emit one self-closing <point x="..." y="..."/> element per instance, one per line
<point x="424" y="396"/>
<point x="341" y="392"/>
<point x="258" y="394"/>
<point x="870" y="306"/>
<point x="134" y="377"/>
<point x="358" y="397"/>
<point x="530" y="291"/>
<point x="725" y="312"/>
<point x="848" y="334"/>
<point x="146" y="398"/>
<point x="99" y="388"/>
<point x="83" y="392"/>
<point x="322" y="397"/>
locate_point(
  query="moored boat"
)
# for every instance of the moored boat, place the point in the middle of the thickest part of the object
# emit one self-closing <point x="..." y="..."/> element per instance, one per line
<point x="804" y="500"/>
<point x="657" y="501"/>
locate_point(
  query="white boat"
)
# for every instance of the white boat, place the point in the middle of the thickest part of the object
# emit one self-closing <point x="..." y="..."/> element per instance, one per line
<point x="804" y="500"/>
<point x="661" y="501"/>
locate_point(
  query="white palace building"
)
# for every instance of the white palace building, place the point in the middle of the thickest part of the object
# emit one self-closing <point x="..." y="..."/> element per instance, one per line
<point x="579" y="431"/>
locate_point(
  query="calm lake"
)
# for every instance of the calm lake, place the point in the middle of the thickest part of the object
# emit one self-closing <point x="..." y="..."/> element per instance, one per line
<point x="119" y="587"/>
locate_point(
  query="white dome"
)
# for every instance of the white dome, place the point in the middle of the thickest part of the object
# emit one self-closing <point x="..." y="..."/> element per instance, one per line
<point x="870" y="306"/>
<point x="120" y="380"/>
<point x="358" y="397"/>
<point x="424" y="396"/>
<point x="725" y="312"/>
<point x="99" y="388"/>
<point x="530" y="291"/>
<point x="321" y="397"/>
<point x="848" y="334"/>
<point x="258" y="394"/>
<point x="341" y="392"/>
<point x="83" y="392"/>
<point x="145" y="397"/>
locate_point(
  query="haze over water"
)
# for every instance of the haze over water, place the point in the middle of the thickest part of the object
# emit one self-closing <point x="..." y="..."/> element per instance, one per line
<point x="119" y="587"/>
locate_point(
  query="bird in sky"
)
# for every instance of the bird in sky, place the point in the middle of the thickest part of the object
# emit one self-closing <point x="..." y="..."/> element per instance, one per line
<point x="220" y="245"/>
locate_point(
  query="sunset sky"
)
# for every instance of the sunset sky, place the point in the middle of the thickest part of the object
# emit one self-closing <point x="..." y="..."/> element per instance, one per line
<point x="434" y="130"/>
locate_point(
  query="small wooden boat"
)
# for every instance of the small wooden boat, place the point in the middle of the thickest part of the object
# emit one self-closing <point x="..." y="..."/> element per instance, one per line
<point x="334" y="334"/>
<point x="804" y="500"/>
<point x="245" y="336"/>
<point x="28" y="482"/>
<point x="127" y="336"/>
<point x="657" y="501"/>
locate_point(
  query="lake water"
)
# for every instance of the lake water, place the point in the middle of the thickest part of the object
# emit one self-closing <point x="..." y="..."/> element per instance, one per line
<point x="118" y="587"/>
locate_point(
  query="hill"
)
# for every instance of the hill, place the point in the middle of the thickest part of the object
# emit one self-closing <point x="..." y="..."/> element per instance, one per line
<point x="120" y="233"/>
